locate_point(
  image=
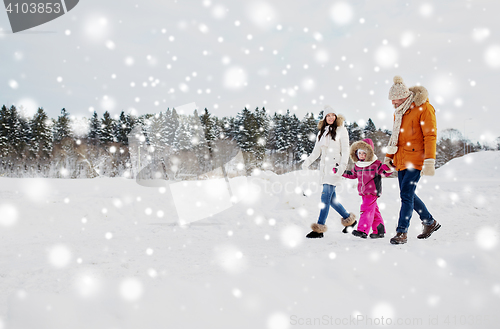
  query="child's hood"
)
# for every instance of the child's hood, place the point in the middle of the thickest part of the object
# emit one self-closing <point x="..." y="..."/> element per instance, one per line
<point x="365" y="145"/>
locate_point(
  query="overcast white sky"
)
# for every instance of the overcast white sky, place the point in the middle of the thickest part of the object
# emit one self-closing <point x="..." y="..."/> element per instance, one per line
<point x="145" y="56"/>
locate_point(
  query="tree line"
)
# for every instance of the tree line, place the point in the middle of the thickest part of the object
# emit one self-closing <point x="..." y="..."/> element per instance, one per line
<point x="173" y="146"/>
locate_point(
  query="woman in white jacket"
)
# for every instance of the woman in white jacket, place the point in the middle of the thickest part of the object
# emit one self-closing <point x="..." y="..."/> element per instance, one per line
<point x="332" y="144"/>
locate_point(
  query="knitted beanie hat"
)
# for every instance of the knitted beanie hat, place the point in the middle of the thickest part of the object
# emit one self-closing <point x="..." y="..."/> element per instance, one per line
<point x="327" y="110"/>
<point x="398" y="89"/>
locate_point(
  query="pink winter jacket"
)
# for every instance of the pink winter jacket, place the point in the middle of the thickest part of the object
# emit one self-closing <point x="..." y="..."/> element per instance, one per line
<point x="369" y="178"/>
<point x="369" y="172"/>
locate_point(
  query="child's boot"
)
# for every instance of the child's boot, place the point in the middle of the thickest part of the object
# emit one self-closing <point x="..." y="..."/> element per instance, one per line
<point x="359" y="234"/>
<point x="380" y="232"/>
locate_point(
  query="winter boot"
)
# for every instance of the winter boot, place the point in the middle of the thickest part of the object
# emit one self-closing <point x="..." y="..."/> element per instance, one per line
<point x="360" y="234"/>
<point x="380" y="232"/>
<point x="314" y="235"/>
<point x="348" y="222"/>
<point x="428" y="230"/>
<point x="317" y="231"/>
<point x="349" y="228"/>
<point x="399" y="238"/>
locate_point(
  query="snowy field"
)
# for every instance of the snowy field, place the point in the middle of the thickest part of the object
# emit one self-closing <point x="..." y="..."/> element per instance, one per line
<point x="110" y="253"/>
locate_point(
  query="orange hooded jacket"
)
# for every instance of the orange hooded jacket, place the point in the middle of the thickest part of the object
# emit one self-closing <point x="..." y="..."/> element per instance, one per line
<point x="417" y="137"/>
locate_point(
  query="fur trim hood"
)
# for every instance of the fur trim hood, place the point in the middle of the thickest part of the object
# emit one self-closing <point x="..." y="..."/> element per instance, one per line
<point x="370" y="154"/>
<point x="421" y="95"/>
<point x="340" y="121"/>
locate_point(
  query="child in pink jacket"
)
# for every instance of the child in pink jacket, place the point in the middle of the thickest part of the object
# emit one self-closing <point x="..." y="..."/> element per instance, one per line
<point x="369" y="171"/>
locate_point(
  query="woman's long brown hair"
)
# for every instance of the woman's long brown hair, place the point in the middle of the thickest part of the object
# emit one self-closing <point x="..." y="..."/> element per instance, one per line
<point x="332" y="129"/>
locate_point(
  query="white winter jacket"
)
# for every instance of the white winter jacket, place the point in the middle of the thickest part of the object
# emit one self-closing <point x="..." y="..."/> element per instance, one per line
<point x="334" y="154"/>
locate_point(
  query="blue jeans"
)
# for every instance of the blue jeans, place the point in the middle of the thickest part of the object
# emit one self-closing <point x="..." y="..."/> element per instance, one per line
<point x="408" y="180"/>
<point x="328" y="198"/>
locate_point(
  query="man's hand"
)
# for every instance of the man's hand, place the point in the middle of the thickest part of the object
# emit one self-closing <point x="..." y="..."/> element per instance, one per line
<point x="388" y="162"/>
<point x="428" y="168"/>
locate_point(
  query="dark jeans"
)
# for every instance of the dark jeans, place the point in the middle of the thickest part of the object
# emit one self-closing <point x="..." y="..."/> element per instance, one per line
<point x="329" y="199"/>
<point x="408" y="180"/>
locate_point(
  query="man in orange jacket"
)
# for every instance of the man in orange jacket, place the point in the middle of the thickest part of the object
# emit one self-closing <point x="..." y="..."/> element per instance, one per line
<point x="412" y="151"/>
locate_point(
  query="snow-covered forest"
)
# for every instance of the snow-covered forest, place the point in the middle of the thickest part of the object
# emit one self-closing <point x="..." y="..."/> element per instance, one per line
<point x="174" y="146"/>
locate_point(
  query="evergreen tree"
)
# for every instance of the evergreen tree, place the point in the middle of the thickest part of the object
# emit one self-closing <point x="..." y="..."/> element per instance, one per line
<point x="321" y="115"/>
<point x="130" y="123"/>
<point x="183" y="136"/>
<point x="262" y="121"/>
<point x="41" y="142"/>
<point x="307" y="134"/>
<point x="61" y="128"/>
<point x="200" y="145"/>
<point x="18" y="135"/>
<point x="108" y="128"/>
<point x="286" y="131"/>
<point x="246" y="134"/>
<point x="122" y="129"/>
<point x="14" y="134"/>
<point x="4" y="131"/>
<point x="354" y="132"/>
<point x="171" y="127"/>
<point x="246" y="130"/>
<point x="370" y="126"/>
<point x="25" y="133"/>
<point x="210" y="129"/>
<point x="369" y="130"/>
<point x="227" y="128"/>
<point x="156" y="135"/>
<point x="271" y="135"/>
<point x="294" y="128"/>
<point x="94" y="128"/>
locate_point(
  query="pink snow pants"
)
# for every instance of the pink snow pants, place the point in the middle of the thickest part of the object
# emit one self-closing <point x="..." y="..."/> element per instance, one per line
<point x="370" y="215"/>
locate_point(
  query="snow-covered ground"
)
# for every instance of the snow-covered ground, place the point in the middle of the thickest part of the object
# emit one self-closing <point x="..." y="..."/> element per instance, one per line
<point x="109" y="253"/>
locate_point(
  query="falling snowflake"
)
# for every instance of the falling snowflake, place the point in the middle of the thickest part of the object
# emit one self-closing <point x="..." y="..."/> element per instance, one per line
<point x="230" y="258"/>
<point x="262" y="14"/>
<point x="131" y="289"/>
<point x="426" y="10"/>
<point x="13" y="84"/>
<point x="480" y="34"/>
<point x="96" y="28"/>
<point x="59" y="256"/>
<point x="321" y="56"/>
<point x="407" y="39"/>
<point x="278" y="320"/>
<point x="487" y="238"/>
<point x="341" y="13"/>
<point x="492" y="56"/>
<point x="8" y="215"/>
<point x="88" y="285"/>
<point x="292" y="236"/>
<point x="386" y="56"/>
<point x="235" y="78"/>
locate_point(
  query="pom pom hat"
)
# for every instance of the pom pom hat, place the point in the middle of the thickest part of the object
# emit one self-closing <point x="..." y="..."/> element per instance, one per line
<point x="398" y="89"/>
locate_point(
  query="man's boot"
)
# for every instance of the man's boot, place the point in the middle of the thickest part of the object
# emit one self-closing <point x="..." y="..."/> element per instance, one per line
<point x="399" y="238"/>
<point x="428" y="230"/>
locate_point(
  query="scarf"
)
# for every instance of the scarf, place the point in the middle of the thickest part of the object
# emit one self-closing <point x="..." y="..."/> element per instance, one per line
<point x="392" y="147"/>
<point x="364" y="164"/>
